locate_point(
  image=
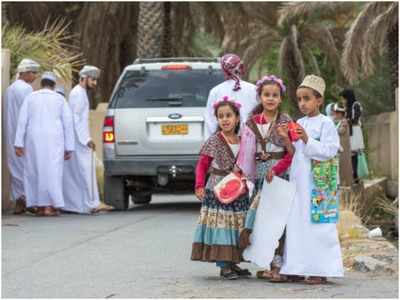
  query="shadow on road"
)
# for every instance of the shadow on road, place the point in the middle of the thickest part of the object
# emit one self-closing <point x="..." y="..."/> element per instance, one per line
<point x="176" y="206"/>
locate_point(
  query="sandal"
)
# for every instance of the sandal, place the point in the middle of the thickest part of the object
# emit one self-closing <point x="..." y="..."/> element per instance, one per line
<point x="49" y="212"/>
<point x="40" y="212"/>
<point x="20" y="206"/>
<point x="278" y="278"/>
<point x="241" y="272"/>
<point x="265" y="275"/>
<point x="312" y="280"/>
<point x="229" y="274"/>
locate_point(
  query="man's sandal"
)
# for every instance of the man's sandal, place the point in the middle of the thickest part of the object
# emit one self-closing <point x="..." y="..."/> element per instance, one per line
<point x="278" y="278"/>
<point x="313" y="280"/>
<point x="264" y="275"/>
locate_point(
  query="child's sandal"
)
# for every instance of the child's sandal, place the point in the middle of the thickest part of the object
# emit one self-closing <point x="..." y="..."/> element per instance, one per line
<point x="229" y="275"/>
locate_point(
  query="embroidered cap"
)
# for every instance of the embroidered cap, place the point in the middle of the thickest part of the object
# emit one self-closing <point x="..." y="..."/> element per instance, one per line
<point x="49" y="76"/>
<point x="28" y="65"/>
<point x="314" y="82"/>
<point x="89" y="71"/>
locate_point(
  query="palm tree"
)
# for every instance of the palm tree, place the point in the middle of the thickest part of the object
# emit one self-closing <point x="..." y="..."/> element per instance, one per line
<point x="151" y="24"/>
<point x="374" y="31"/>
<point x="297" y="29"/>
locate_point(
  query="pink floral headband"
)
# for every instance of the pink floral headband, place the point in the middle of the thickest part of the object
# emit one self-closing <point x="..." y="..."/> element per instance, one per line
<point x="270" y="78"/>
<point x="226" y="99"/>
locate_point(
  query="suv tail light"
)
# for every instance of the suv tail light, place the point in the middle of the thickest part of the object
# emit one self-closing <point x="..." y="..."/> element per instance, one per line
<point x="176" y="67"/>
<point x="108" y="130"/>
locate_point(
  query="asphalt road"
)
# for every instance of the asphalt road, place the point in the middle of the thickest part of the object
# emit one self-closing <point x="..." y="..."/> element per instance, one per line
<point x="143" y="252"/>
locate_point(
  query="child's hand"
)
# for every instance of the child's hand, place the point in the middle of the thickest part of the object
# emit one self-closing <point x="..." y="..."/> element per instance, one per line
<point x="200" y="193"/>
<point x="302" y="134"/>
<point x="67" y="155"/>
<point x="283" y="131"/>
<point x="270" y="175"/>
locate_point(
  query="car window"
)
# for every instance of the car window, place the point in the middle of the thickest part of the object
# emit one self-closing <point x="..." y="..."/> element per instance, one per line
<point x="163" y="88"/>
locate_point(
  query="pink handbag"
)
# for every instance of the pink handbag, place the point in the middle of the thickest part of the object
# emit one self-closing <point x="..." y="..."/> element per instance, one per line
<point x="230" y="188"/>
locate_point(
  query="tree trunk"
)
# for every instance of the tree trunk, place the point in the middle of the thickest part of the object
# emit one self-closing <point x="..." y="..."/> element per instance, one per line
<point x="103" y="43"/>
<point x="150" y="29"/>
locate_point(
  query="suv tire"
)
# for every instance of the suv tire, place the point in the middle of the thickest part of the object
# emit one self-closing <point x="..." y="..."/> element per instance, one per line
<point x="141" y="197"/>
<point x="115" y="193"/>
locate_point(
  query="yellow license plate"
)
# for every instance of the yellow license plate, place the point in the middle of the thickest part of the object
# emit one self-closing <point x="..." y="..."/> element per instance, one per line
<point x="178" y="129"/>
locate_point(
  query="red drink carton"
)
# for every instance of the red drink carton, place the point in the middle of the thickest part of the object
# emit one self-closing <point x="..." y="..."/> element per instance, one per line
<point x="292" y="126"/>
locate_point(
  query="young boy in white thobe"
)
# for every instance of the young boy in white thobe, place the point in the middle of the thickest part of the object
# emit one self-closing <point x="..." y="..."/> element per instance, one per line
<point x="15" y="95"/>
<point x="312" y="249"/>
<point x="81" y="193"/>
<point x="45" y="139"/>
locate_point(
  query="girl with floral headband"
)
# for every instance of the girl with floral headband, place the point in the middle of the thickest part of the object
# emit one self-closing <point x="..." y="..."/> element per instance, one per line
<point x="217" y="232"/>
<point x="266" y="151"/>
<point x="234" y="87"/>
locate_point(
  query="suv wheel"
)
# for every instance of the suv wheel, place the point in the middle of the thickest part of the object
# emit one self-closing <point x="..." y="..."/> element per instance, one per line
<point x="115" y="193"/>
<point x="141" y="197"/>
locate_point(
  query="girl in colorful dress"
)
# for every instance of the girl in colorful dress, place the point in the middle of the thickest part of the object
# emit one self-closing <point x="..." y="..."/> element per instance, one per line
<point x="217" y="233"/>
<point x="266" y="150"/>
<point x="312" y="246"/>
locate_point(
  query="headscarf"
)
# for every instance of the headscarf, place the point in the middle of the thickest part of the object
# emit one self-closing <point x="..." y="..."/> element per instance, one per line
<point x="233" y="68"/>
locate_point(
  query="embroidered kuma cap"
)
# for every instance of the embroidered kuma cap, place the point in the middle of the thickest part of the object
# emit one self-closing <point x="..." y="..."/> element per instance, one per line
<point x="314" y="82"/>
<point x="49" y="76"/>
<point x="28" y="65"/>
<point x="89" y="71"/>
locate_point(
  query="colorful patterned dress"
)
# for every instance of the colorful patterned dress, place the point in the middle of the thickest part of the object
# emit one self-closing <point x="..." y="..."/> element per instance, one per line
<point x="219" y="225"/>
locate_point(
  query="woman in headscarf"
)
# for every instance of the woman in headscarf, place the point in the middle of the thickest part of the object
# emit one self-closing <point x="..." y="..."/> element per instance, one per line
<point x="234" y="88"/>
<point x="353" y="115"/>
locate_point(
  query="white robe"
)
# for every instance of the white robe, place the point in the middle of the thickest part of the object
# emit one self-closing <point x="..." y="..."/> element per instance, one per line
<point x="81" y="193"/>
<point x="45" y="130"/>
<point x="246" y="96"/>
<point x="15" y="96"/>
<point x="311" y="249"/>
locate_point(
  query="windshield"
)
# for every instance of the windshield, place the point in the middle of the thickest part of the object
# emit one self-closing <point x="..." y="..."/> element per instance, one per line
<point x="163" y="88"/>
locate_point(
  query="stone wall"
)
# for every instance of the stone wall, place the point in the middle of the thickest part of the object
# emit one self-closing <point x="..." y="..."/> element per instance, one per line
<point x="383" y="146"/>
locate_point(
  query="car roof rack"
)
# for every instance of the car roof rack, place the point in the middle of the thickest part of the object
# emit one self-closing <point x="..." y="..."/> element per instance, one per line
<point x="175" y="59"/>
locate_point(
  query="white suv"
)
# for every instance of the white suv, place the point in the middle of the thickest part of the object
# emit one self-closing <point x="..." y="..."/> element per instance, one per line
<point x="154" y="127"/>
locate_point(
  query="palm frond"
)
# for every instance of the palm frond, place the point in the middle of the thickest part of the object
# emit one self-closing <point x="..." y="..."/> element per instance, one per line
<point x="376" y="36"/>
<point x="322" y="37"/>
<point x="312" y="60"/>
<point x="355" y="39"/>
<point x="292" y="12"/>
<point x="50" y="48"/>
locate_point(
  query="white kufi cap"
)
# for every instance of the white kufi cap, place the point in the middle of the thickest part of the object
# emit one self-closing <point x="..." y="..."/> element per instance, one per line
<point x="89" y="71"/>
<point x="49" y="76"/>
<point x="28" y="65"/>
